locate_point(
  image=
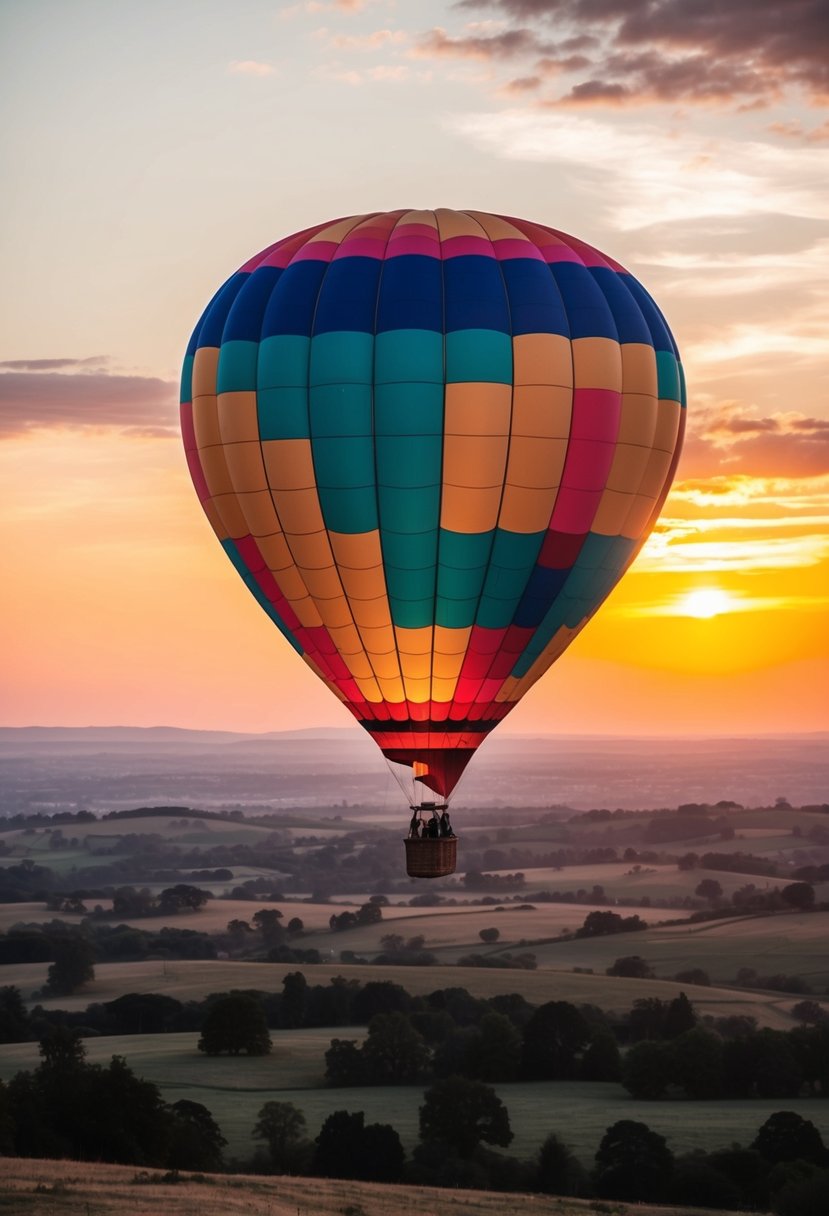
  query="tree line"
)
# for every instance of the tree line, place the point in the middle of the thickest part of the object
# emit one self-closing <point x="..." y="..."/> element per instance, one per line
<point x="67" y="1107"/>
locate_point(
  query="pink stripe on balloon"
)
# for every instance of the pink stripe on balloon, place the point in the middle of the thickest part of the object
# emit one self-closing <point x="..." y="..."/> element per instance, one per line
<point x="460" y="246"/>
<point x="587" y="465"/>
<point x="575" y="509"/>
<point x="400" y="245"/>
<point x="360" y="247"/>
<point x="596" y="413"/>
<point x="197" y="474"/>
<point x="251" y="555"/>
<point x="424" y="230"/>
<point x="316" y="251"/>
<point x="188" y="435"/>
<point x="512" y="248"/>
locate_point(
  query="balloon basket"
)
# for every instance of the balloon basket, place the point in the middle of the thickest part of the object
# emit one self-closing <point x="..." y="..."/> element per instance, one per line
<point x="431" y="858"/>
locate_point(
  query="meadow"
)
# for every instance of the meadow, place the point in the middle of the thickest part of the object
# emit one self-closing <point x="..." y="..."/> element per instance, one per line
<point x="61" y="1188"/>
<point x="234" y="1090"/>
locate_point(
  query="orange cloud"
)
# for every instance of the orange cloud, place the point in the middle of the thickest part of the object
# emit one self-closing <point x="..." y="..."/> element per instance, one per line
<point x="68" y="393"/>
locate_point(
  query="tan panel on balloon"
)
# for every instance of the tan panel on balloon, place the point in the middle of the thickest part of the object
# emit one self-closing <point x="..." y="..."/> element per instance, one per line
<point x="639" y="374"/>
<point x="542" y="359"/>
<point x="230" y="513"/>
<point x="238" y="420"/>
<point x="542" y="410"/>
<point x="597" y="363"/>
<point x="668" y="417"/>
<point x="637" y="421"/>
<point x="465" y="510"/>
<point x="205" y="366"/>
<point x="245" y="466"/>
<point x="477" y="409"/>
<point x="258" y="510"/>
<point x="206" y="421"/>
<point x="474" y="460"/>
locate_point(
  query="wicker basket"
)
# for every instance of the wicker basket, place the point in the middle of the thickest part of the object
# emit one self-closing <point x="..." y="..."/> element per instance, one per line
<point x="431" y="858"/>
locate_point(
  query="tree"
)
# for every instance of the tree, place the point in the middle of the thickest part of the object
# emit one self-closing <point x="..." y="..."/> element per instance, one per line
<point x="183" y="896"/>
<point x="799" y="895"/>
<point x="346" y="1148"/>
<point x="495" y="1052"/>
<point x="462" y="1113"/>
<point x="294" y="1003"/>
<point x="282" y="1125"/>
<point x="196" y="1141"/>
<point x="633" y="1163"/>
<point x="14" y="1018"/>
<point x="647" y="1018"/>
<point x="645" y="1070"/>
<point x="632" y="966"/>
<point x="696" y="1059"/>
<point x="489" y="935"/>
<point x="557" y="1170"/>
<point x="72" y="968"/>
<point x="787" y="1136"/>
<point x="709" y="889"/>
<point x="394" y="1053"/>
<point x="235" y="1024"/>
<point x="601" y="1061"/>
<point x="553" y="1038"/>
<point x="266" y="920"/>
<point x="679" y="1018"/>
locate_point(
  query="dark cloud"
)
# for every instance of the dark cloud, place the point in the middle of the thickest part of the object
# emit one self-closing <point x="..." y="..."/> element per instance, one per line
<point x="503" y="45"/>
<point x="84" y="399"/>
<point x="45" y="365"/>
<point x="726" y="439"/>
<point x="680" y="50"/>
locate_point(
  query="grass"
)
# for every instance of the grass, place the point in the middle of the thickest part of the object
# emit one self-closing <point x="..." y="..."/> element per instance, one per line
<point x="234" y="1090"/>
<point x="62" y="1188"/>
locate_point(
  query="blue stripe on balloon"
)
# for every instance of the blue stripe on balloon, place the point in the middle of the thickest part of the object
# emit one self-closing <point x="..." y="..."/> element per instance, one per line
<point x="291" y="307"/>
<point x="244" y="320"/>
<point x="474" y="294"/>
<point x="348" y="296"/>
<point x="535" y="303"/>
<point x="587" y="310"/>
<point x="411" y="294"/>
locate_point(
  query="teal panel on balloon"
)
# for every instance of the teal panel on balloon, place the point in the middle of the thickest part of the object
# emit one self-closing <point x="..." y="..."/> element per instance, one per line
<point x="283" y="413"/>
<point x="455" y="614"/>
<point x="186" y="392"/>
<point x="236" y="372"/>
<point x="408" y="409"/>
<point x="513" y="560"/>
<point x="412" y="614"/>
<point x="340" y="409"/>
<point x="409" y="460"/>
<point x="404" y="510"/>
<point x="483" y="355"/>
<point x="408" y="355"/>
<point x="667" y="371"/>
<point x="410" y="550"/>
<point x="682" y="386"/>
<point x="343" y="462"/>
<point x="348" y="510"/>
<point x="283" y="360"/>
<point x="465" y="550"/>
<point x="410" y="584"/>
<point x="342" y="358"/>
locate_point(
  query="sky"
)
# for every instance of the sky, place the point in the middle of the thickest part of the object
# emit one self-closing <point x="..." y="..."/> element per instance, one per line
<point x="148" y="150"/>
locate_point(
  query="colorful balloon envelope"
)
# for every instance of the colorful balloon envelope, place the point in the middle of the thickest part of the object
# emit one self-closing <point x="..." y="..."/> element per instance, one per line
<point x="431" y="442"/>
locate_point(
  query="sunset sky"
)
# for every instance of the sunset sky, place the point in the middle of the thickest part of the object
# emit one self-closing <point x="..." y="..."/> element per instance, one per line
<point x="150" y="149"/>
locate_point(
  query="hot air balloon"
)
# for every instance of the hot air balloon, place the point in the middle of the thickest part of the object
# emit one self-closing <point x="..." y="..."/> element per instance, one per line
<point x="431" y="442"/>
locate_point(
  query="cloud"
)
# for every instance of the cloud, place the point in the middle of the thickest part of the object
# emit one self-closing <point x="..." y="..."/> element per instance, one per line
<point x="436" y="43"/>
<point x="367" y="42"/>
<point x="47" y="365"/>
<point x="250" y="67"/>
<point x="680" y="51"/>
<point x="641" y="175"/>
<point x="40" y="397"/>
<point x="732" y="436"/>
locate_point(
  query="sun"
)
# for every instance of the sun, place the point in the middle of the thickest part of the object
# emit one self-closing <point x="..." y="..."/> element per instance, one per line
<point x="705" y="602"/>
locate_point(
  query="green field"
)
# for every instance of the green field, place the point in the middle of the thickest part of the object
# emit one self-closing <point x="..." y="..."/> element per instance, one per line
<point x="234" y="1089"/>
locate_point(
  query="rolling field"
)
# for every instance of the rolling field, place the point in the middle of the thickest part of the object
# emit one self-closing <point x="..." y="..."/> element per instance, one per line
<point x="193" y="980"/>
<point x="234" y="1090"/>
<point x="62" y="1188"/>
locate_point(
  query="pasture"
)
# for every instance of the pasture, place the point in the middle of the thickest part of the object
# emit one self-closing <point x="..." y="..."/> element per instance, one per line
<point x="235" y="1089"/>
<point x="61" y="1188"/>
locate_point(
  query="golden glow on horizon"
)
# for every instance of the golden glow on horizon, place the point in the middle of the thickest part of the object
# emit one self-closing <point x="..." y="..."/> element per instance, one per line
<point x="705" y="602"/>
